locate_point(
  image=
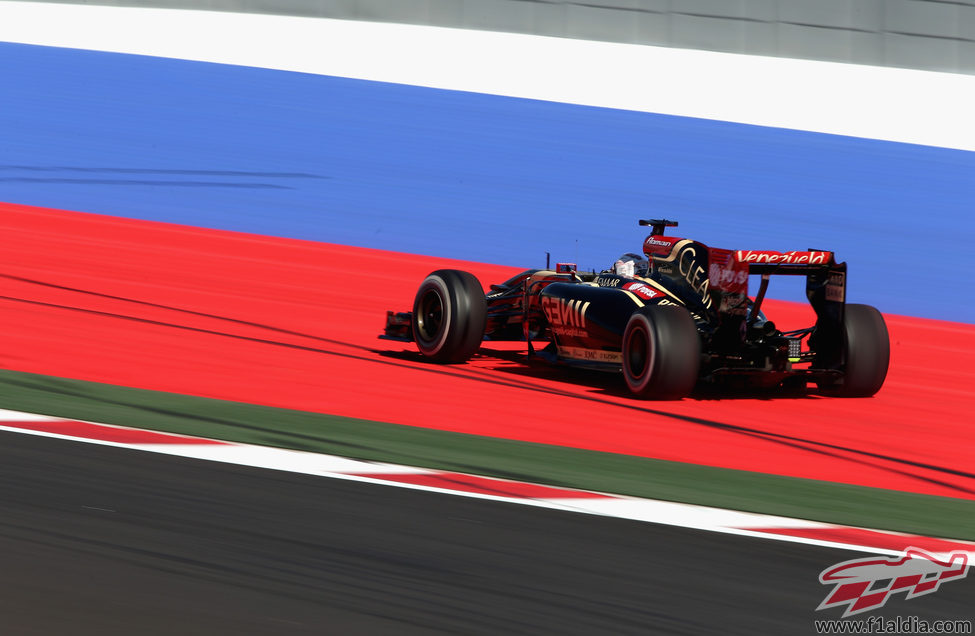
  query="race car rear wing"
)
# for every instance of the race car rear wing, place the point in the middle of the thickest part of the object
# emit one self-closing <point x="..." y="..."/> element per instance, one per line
<point x="825" y="289"/>
<point x="797" y="263"/>
<point x="825" y="278"/>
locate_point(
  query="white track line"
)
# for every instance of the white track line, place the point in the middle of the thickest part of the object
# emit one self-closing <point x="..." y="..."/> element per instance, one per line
<point x="334" y="467"/>
<point x="920" y="107"/>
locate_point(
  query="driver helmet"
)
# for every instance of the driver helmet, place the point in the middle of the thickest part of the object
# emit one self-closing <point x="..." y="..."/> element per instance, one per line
<point x="631" y="264"/>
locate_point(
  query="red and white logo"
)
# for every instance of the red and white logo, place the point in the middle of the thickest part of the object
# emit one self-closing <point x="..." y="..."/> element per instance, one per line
<point x="866" y="584"/>
<point x="642" y="290"/>
<point x="789" y="258"/>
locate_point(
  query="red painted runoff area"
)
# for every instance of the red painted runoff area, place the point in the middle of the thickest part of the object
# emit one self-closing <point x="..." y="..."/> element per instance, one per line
<point x="294" y="324"/>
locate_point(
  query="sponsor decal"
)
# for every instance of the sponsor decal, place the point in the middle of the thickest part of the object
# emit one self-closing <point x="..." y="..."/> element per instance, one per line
<point x="642" y="290"/>
<point x="726" y="273"/>
<point x="569" y="332"/>
<point x="605" y="281"/>
<point x="727" y="277"/>
<point x="867" y="583"/>
<point x="788" y="258"/>
<point x="836" y="288"/>
<point x="655" y="241"/>
<point x="693" y="273"/>
<point x="565" y="313"/>
<point x="591" y="355"/>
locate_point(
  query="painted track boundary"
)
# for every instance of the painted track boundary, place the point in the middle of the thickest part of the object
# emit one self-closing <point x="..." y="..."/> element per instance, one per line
<point x="466" y="485"/>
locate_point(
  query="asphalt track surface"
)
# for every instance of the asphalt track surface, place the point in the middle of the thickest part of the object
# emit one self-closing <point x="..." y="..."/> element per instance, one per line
<point x="294" y="324"/>
<point x="101" y="540"/>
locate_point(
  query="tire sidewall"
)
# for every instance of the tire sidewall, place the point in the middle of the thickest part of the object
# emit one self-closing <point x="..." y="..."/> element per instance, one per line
<point x="866" y="351"/>
<point x="672" y="348"/>
<point x="434" y="283"/>
<point x="463" y="320"/>
<point x="640" y="326"/>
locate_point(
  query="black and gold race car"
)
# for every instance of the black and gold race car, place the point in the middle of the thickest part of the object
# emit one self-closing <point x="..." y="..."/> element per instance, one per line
<point x="676" y="315"/>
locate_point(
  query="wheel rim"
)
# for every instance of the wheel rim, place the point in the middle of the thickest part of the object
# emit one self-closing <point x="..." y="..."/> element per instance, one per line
<point x="430" y="316"/>
<point x="637" y="353"/>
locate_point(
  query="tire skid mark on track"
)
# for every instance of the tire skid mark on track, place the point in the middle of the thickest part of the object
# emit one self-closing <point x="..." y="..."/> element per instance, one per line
<point x="188" y="310"/>
<point x="863" y="457"/>
<point x="501" y="490"/>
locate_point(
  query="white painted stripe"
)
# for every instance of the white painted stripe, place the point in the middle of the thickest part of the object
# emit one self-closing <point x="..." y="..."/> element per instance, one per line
<point x="17" y="416"/>
<point x="691" y="516"/>
<point x="646" y="510"/>
<point x="903" y="105"/>
<point x="279" y="459"/>
<point x="240" y="454"/>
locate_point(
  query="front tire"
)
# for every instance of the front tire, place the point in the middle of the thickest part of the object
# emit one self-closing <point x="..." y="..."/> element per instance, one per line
<point x="866" y="352"/>
<point x="449" y="316"/>
<point x="661" y="352"/>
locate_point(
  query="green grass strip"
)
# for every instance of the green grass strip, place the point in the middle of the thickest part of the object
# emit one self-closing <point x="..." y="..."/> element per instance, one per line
<point x="555" y="465"/>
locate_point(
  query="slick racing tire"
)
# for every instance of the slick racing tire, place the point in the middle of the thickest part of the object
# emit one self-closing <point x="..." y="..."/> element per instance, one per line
<point x="449" y="316"/>
<point x="866" y="351"/>
<point x="661" y="352"/>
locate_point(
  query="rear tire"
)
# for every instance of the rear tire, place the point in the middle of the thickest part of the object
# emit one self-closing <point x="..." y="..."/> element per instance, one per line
<point x="661" y="352"/>
<point x="449" y="316"/>
<point x="866" y="351"/>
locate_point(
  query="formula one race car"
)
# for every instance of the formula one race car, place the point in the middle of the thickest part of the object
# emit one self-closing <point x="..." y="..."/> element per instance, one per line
<point x="677" y="315"/>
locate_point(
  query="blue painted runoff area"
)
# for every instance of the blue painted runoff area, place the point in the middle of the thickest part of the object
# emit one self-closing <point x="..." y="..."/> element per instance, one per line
<point x="472" y="176"/>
